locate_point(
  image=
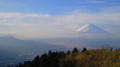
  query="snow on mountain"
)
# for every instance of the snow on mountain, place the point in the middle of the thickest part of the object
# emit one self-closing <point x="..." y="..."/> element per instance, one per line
<point x="90" y="28"/>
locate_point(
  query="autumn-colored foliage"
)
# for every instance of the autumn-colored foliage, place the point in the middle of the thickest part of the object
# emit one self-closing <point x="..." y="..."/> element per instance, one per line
<point x="105" y="57"/>
<point x="92" y="58"/>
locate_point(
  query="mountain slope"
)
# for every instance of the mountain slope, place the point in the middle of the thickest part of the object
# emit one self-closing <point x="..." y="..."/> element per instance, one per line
<point x="20" y="50"/>
<point x="10" y="43"/>
<point x="90" y="28"/>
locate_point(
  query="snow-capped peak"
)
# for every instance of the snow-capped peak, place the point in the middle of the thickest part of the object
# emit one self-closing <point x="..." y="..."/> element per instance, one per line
<point x="90" y="28"/>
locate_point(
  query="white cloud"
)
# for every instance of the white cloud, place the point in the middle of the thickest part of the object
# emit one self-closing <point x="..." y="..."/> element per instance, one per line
<point x="95" y="2"/>
<point x="112" y="9"/>
<point x="101" y="2"/>
<point x="21" y="15"/>
<point x="81" y="2"/>
<point x="44" y="25"/>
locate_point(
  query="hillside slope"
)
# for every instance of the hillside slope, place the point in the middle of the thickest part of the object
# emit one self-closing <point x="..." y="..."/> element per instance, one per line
<point x="91" y="58"/>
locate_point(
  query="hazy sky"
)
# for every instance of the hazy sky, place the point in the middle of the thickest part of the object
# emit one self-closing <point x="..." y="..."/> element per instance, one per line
<point x="57" y="18"/>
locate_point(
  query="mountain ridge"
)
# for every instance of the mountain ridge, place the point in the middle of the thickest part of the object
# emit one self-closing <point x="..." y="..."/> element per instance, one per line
<point x="90" y="28"/>
<point x="16" y="49"/>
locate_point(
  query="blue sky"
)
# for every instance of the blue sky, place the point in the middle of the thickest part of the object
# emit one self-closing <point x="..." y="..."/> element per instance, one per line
<point x="55" y="7"/>
<point x="56" y="18"/>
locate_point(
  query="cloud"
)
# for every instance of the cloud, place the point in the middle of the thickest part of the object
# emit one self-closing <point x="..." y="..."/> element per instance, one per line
<point x="112" y="9"/>
<point x="20" y="15"/>
<point x="101" y="2"/>
<point x="33" y="25"/>
<point x="81" y="2"/>
<point x="95" y="1"/>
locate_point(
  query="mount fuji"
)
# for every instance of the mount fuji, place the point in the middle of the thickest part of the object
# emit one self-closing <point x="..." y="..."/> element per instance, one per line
<point x="90" y="28"/>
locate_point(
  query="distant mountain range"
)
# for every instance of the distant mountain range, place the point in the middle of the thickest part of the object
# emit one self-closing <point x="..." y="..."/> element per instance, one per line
<point x="12" y="49"/>
<point x="11" y="44"/>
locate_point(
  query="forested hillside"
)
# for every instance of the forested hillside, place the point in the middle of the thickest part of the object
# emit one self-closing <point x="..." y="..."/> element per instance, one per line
<point x="105" y="57"/>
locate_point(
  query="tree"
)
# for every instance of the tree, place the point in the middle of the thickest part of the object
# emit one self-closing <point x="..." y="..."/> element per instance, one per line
<point x="84" y="49"/>
<point x="8" y="66"/>
<point x="116" y="49"/>
<point x="68" y="52"/>
<point x="75" y="50"/>
<point x="111" y="49"/>
<point x="50" y="52"/>
<point x="20" y="65"/>
<point x="36" y="61"/>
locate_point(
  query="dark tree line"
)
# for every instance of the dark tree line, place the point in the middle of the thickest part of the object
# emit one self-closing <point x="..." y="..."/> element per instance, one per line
<point x="50" y="59"/>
